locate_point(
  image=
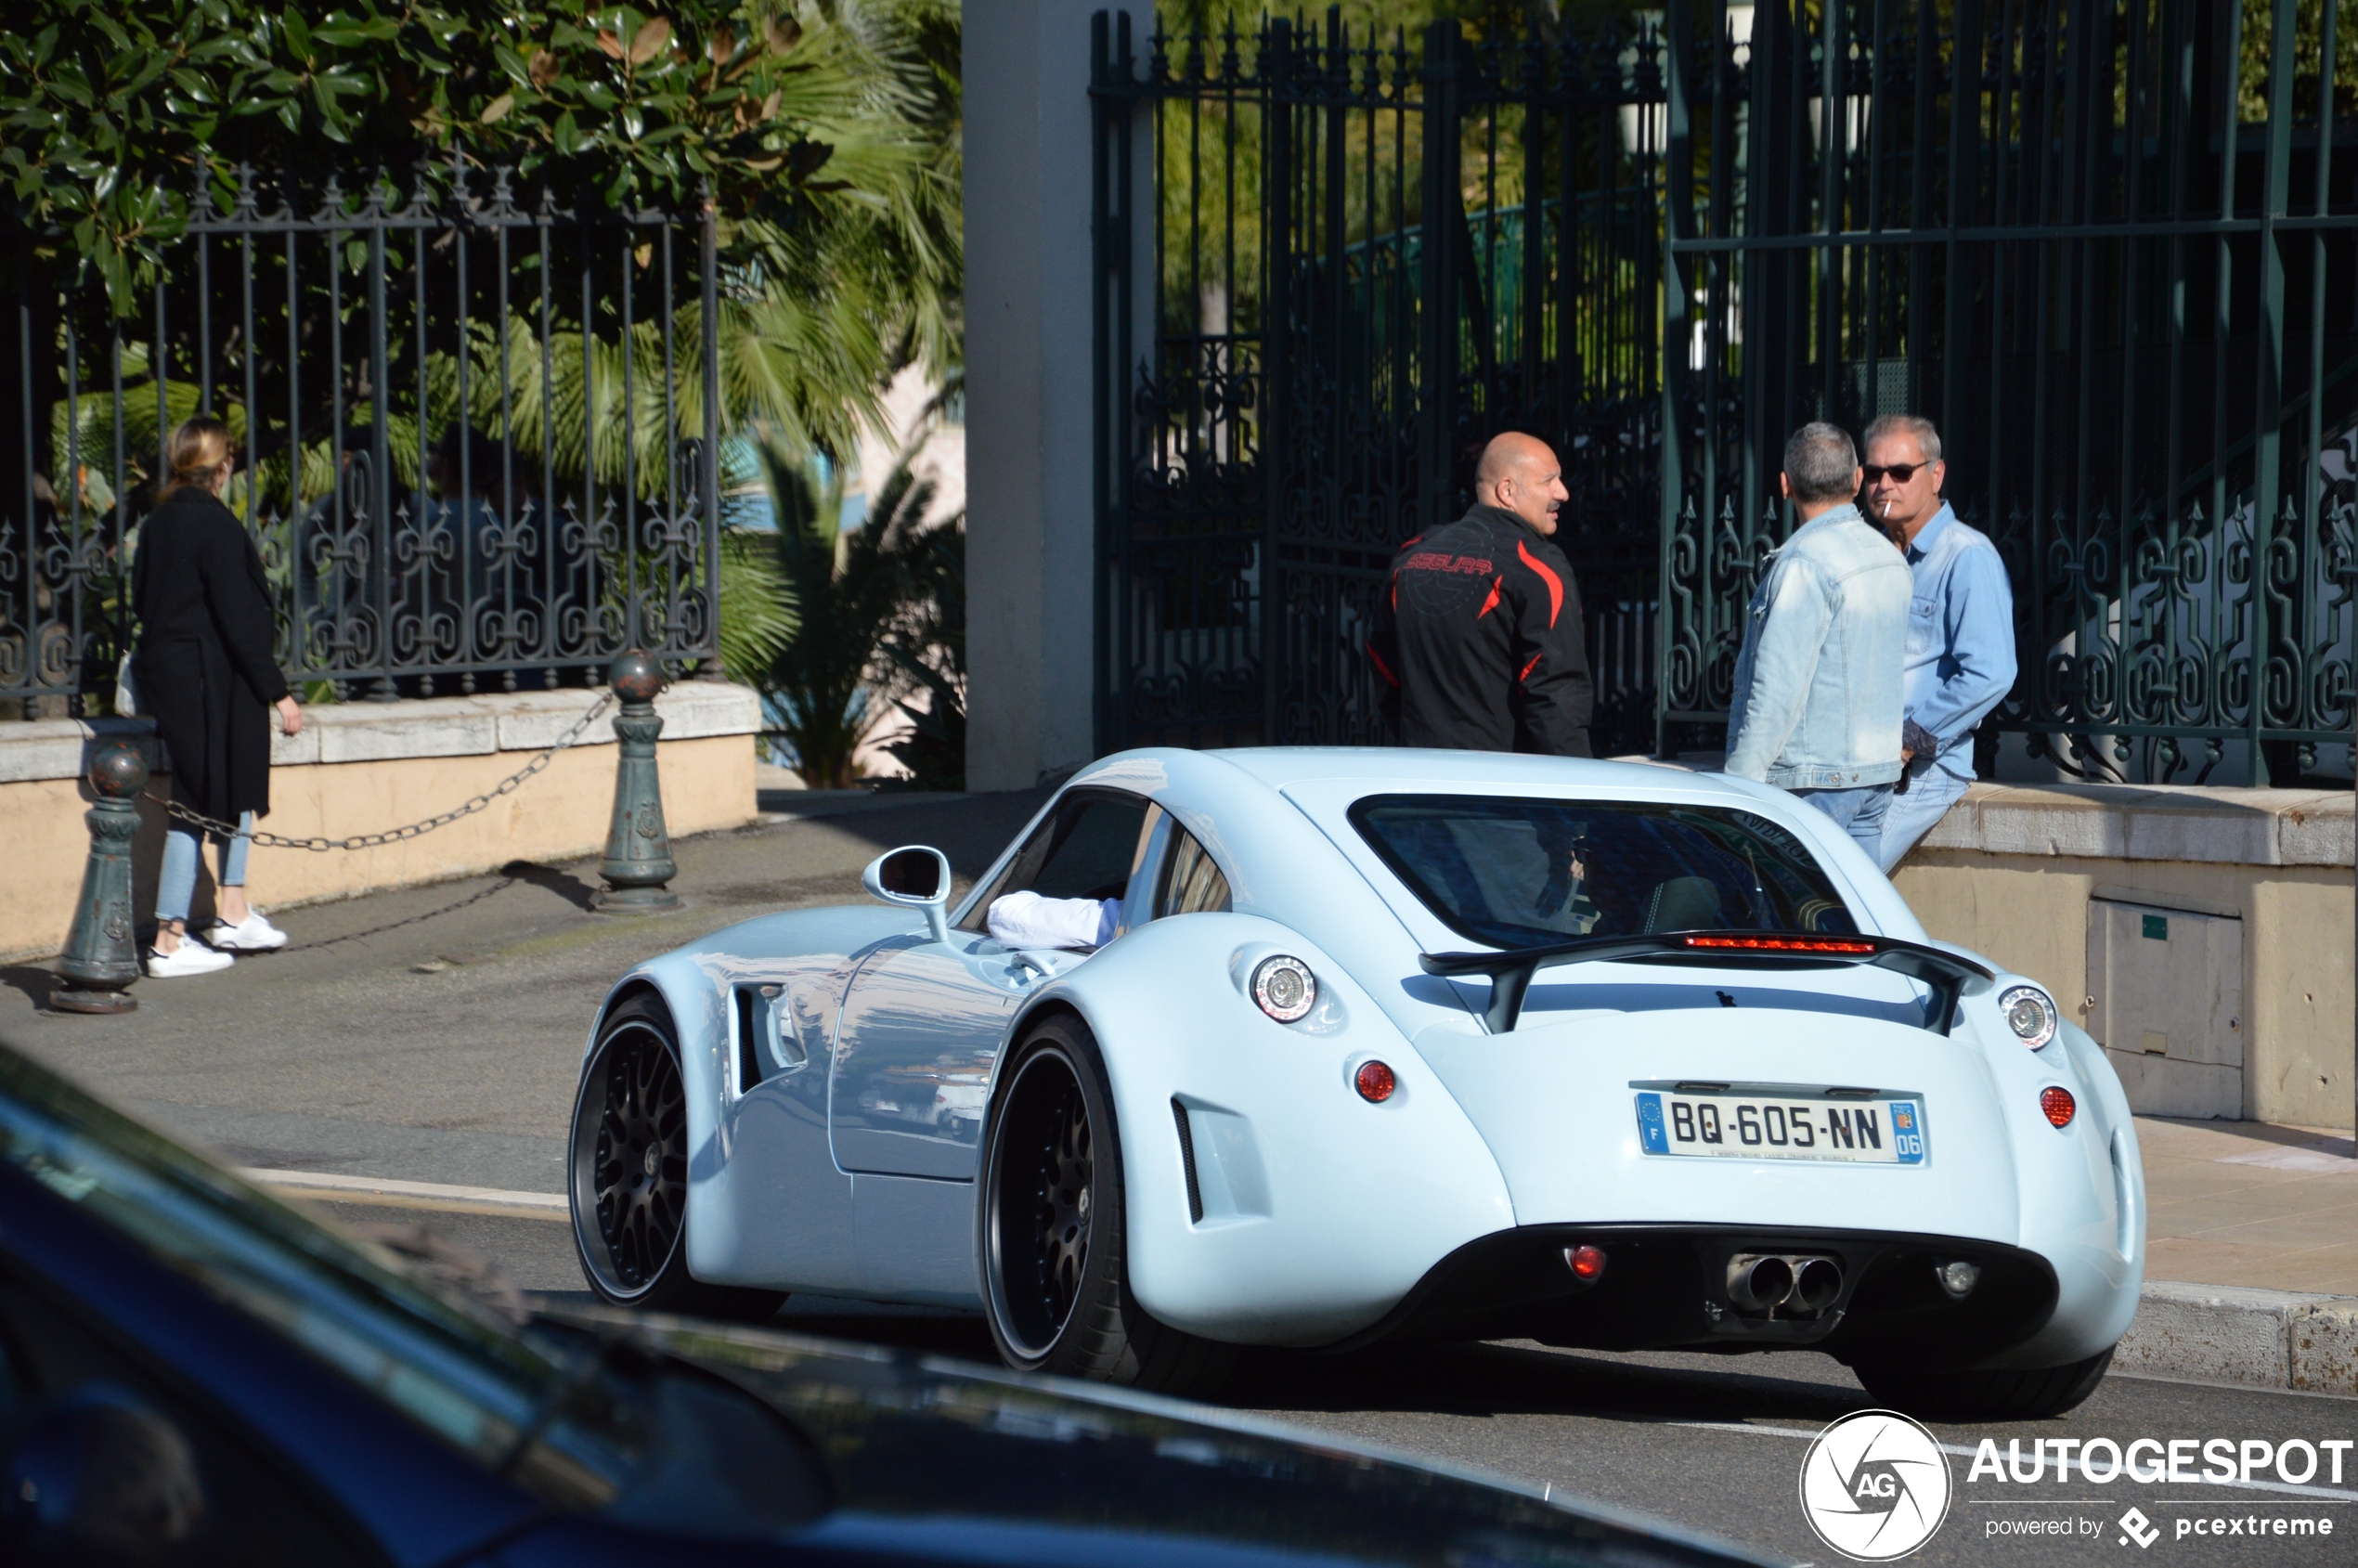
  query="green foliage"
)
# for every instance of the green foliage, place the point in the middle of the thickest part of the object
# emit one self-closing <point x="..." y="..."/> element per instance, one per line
<point x="880" y="613"/>
<point x="759" y="610"/>
<point x="826" y="133"/>
<point x="929" y="650"/>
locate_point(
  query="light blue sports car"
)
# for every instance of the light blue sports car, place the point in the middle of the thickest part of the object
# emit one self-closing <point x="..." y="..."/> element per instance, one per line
<point x="1380" y="1043"/>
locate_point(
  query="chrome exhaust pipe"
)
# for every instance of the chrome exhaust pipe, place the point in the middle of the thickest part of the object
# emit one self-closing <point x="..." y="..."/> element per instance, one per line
<point x="1817" y="1285"/>
<point x="1757" y="1283"/>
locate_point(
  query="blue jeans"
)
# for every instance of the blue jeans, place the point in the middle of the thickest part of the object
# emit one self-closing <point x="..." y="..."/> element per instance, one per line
<point x="1858" y="812"/>
<point x="177" y="886"/>
<point x="1930" y="793"/>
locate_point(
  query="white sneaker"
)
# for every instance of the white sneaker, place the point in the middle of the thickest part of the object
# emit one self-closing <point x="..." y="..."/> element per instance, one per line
<point x="191" y="957"/>
<point x="253" y="934"/>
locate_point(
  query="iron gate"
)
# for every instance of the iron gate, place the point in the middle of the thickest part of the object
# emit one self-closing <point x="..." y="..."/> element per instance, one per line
<point x="469" y="421"/>
<point x="2109" y="249"/>
<point x="2110" y="253"/>
<point x="1330" y="269"/>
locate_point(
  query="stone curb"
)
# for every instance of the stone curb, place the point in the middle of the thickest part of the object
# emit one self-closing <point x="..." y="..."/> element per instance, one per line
<point x="2234" y="1334"/>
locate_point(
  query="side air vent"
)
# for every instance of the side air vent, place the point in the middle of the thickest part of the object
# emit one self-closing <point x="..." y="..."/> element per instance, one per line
<point x="749" y="1011"/>
<point x="1188" y="1160"/>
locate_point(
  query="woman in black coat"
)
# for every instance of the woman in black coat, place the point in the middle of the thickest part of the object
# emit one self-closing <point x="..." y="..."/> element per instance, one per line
<point x="208" y="673"/>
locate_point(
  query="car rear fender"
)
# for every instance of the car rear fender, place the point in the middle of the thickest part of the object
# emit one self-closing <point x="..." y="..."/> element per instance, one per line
<point x="1312" y="1211"/>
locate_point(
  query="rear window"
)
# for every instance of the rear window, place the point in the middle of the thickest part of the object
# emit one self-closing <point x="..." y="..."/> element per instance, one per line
<point x="1527" y="873"/>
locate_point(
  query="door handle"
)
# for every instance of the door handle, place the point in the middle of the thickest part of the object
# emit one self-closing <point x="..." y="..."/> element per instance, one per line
<point x="1022" y="961"/>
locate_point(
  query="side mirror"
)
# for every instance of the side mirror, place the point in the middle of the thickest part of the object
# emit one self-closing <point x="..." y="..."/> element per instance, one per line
<point x="915" y="876"/>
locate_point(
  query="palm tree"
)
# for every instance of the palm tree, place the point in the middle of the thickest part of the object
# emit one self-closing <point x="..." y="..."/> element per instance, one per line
<point x="829" y="685"/>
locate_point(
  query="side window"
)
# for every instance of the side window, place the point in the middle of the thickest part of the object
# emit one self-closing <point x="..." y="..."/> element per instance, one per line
<point x="1192" y="883"/>
<point x="1085" y="850"/>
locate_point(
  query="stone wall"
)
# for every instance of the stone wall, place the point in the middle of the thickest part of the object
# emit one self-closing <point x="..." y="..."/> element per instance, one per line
<point x="2049" y="879"/>
<point x="361" y="767"/>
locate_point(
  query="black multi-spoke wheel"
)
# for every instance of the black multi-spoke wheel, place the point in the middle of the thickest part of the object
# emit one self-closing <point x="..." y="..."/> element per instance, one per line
<point x="1050" y="1215"/>
<point x="629" y="1173"/>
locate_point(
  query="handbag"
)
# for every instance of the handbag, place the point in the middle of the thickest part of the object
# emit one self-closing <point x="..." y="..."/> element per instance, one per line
<point x="126" y="689"/>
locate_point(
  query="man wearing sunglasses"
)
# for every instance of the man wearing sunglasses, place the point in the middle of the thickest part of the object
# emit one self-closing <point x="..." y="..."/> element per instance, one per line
<point x="1961" y="626"/>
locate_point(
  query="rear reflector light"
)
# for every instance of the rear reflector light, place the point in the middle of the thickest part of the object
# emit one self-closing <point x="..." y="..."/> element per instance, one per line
<point x="1782" y="944"/>
<point x="2058" y="1105"/>
<point x="1587" y="1262"/>
<point x="1374" y="1082"/>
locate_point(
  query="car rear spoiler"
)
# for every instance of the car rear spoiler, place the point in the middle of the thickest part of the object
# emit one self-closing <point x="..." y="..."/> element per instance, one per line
<point x="1511" y="971"/>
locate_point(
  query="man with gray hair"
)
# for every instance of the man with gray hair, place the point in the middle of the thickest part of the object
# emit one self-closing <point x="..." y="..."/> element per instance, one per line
<point x="1959" y="658"/>
<point x="1817" y="703"/>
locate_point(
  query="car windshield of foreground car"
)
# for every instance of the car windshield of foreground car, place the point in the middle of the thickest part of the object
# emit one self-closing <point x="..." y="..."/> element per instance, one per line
<point x="522" y="1404"/>
<point x="1527" y="873"/>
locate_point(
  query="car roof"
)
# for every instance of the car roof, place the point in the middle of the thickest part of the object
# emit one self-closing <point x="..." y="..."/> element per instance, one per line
<point x="1322" y="783"/>
<point x="1383" y="767"/>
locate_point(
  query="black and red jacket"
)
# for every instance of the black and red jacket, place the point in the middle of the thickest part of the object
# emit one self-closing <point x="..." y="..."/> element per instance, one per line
<point x="1478" y="644"/>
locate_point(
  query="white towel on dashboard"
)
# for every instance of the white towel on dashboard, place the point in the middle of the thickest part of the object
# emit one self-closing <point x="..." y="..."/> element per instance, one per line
<point x="1028" y="920"/>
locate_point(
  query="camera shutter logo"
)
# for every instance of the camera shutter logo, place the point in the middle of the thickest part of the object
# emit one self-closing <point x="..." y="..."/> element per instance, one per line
<point x="1874" y="1486"/>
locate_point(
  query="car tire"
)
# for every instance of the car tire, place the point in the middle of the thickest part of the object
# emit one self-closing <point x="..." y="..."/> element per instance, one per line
<point x="627" y="1170"/>
<point x="1052" y="1236"/>
<point x="2026" y="1396"/>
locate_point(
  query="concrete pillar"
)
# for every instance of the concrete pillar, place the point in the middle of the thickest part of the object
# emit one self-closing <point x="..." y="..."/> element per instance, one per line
<point x="1031" y="521"/>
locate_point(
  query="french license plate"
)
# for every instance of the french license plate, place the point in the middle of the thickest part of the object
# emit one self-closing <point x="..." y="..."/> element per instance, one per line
<point x="1771" y="1124"/>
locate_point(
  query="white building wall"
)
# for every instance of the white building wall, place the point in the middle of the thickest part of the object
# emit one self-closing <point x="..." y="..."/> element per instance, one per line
<point x="1030" y="526"/>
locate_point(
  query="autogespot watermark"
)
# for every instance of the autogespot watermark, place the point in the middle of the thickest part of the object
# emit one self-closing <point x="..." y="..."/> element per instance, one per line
<point x="1874" y="1486"/>
<point x="2148" y="1461"/>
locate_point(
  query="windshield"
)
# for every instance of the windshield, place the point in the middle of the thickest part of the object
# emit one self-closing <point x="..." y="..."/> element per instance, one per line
<point x="1528" y="873"/>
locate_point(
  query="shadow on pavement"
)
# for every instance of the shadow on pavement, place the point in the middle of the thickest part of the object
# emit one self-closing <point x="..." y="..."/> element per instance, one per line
<point x="1514" y="1378"/>
<point x="30" y="979"/>
<point x="564" y="884"/>
<point x="489" y="890"/>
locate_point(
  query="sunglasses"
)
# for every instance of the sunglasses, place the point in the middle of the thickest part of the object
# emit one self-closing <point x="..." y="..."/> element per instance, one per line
<point x="1900" y="471"/>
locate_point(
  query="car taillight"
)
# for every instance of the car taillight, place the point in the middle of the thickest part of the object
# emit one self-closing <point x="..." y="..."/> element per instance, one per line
<point x="1850" y="946"/>
<point x="1374" y="1082"/>
<point x="2058" y="1105"/>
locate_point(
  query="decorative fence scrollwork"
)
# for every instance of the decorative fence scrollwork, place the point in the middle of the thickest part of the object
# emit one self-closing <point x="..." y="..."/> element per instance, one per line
<point x="471" y="429"/>
<point x="2113" y="254"/>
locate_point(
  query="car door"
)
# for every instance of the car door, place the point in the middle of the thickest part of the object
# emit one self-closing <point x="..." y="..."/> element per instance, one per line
<point x="923" y="1021"/>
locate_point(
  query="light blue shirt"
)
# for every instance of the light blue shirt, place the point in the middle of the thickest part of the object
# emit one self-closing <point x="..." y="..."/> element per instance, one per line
<point x="1960" y="639"/>
<point x="1818" y="696"/>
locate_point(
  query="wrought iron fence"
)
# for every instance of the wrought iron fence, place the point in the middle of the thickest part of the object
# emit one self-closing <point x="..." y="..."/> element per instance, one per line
<point x="2109" y="249"/>
<point x="471" y="426"/>
<point x="1295" y="375"/>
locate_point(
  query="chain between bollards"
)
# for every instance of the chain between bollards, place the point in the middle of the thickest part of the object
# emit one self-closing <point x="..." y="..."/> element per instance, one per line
<point x="102" y="956"/>
<point x="638" y="860"/>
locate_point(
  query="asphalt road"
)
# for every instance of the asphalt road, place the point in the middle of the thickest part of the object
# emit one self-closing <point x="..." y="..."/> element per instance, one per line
<point x="1714" y="1444"/>
<point x="435" y="1034"/>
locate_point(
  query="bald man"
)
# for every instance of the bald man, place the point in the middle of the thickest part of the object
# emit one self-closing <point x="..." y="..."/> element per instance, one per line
<point x="1477" y="644"/>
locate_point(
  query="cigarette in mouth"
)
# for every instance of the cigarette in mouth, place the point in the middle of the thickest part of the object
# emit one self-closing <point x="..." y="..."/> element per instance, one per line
<point x="1886" y="509"/>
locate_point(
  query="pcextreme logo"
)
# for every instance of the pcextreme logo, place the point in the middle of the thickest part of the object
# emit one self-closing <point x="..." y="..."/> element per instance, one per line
<point x="1874" y="1486"/>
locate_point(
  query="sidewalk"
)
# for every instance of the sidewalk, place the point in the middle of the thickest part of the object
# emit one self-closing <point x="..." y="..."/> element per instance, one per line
<point x="2251" y="1256"/>
<point x="433" y="1035"/>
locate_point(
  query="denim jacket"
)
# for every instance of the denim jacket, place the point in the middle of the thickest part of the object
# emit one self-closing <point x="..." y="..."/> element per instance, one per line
<point x="1817" y="702"/>
<point x="1961" y="641"/>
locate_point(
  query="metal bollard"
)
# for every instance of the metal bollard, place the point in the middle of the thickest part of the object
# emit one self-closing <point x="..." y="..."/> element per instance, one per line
<point x="101" y="957"/>
<point x="638" y="860"/>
